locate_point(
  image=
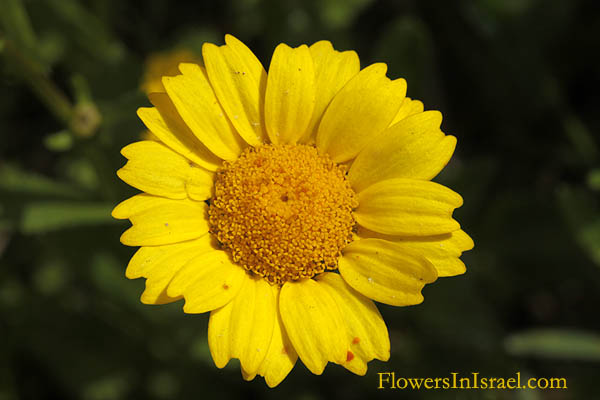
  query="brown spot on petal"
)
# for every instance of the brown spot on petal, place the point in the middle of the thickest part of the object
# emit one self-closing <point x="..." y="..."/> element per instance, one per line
<point x="349" y="356"/>
<point x="225" y="286"/>
<point x="356" y="340"/>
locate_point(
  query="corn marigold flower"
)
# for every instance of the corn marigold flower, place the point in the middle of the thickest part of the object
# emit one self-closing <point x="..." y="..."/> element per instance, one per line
<point x="286" y="203"/>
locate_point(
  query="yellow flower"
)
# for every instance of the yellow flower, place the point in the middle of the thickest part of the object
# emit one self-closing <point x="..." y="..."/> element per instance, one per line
<point x="285" y="203"/>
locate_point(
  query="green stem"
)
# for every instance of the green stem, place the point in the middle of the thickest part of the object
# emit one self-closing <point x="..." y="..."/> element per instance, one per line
<point x="54" y="99"/>
<point x="16" y="23"/>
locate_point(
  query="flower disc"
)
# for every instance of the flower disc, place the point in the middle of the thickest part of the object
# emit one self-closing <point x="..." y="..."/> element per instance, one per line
<point x="284" y="212"/>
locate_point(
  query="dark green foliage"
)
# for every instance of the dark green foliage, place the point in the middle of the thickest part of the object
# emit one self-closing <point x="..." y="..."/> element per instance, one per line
<point x="517" y="82"/>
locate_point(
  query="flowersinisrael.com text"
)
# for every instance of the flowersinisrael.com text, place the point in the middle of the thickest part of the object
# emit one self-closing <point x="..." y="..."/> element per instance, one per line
<point x="388" y="380"/>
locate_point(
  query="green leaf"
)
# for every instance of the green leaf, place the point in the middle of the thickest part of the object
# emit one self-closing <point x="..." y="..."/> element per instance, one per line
<point x="16" y="180"/>
<point x="39" y="217"/>
<point x="555" y="343"/>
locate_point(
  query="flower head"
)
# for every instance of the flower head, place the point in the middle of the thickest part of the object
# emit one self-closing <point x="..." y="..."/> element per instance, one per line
<point x="285" y="203"/>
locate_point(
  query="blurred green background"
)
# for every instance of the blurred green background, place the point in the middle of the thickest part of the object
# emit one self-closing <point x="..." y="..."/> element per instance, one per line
<point x="517" y="82"/>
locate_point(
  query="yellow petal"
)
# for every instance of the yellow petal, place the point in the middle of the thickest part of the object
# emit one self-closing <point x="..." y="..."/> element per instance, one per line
<point x="443" y="251"/>
<point x="290" y="95"/>
<point x="367" y="334"/>
<point x="385" y="272"/>
<point x="408" y="207"/>
<point x="313" y="323"/>
<point x="359" y="112"/>
<point x="207" y="282"/>
<point x="137" y="204"/>
<point x="219" y="331"/>
<point x="148" y="135"/>
<point x="333" y="69"/>
<point x="239" y="81"/>
<point x="166" y="124"/>
<point x="244" y="327"/>
<point x="281" y="356"/>
<point x="247" y="376"/>
<point x="155" y="169"/>
<point x="199" y="186"/>
<point x="158" y="221"/>
<point x="147" y="259"/>
<point x="354" y="363"/>
<point x="160" y="263"/>
<point x="409" y="107"/>
<point x="195" y="101"/>
<point x="414" y="148"/>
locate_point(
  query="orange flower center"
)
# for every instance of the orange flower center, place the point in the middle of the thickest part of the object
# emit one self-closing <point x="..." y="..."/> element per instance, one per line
<point x="283" y="211"/>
